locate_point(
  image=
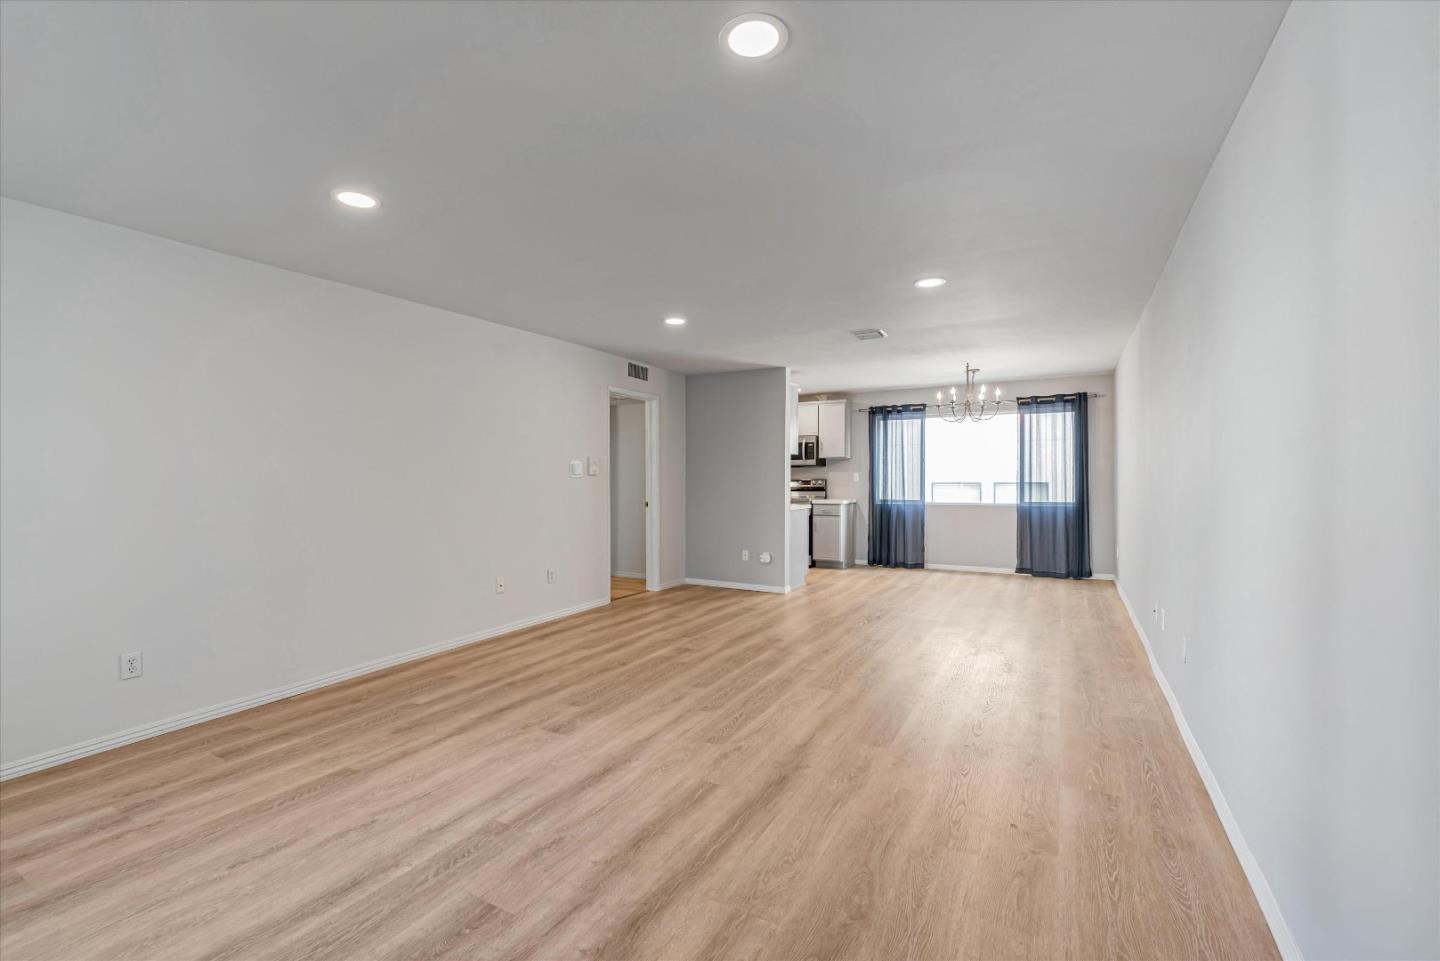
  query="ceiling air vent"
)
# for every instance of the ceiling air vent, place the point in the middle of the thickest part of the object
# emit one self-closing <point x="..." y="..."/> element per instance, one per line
<point x="638" y="371"/>
<point x="870" y="333"/>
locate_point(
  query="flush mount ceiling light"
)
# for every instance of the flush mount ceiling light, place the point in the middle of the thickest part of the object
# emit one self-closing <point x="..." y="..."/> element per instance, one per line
<point x="675" y="321"/>
<point x="354" y="198"/>
<point x="926" y="283"/>
<point x="754" y="36"/>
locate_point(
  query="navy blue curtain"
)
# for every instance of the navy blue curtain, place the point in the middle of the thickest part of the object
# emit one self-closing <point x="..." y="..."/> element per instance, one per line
<point x="897" y="486"/>
<point x="1053" y="499"/>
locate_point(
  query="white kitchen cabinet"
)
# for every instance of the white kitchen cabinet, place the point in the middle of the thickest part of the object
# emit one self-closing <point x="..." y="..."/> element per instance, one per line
<point x="833" y="426"/>
<point x="830" y="421"/>
<point x="808" y="417"/>
<point x="792" y="420"/>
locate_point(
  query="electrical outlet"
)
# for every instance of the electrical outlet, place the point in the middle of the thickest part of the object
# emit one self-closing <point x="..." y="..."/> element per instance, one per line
<point x="765" y="557"/>
<point x="499" y="585"/>
<point x="131" y="665"/>
<point x="744" y="555"/>
<point x="855" y="478"/>
<point x="549" y="577"/>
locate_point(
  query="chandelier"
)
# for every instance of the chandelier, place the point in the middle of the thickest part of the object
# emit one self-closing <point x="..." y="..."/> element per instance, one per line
<point x="973" y="406"/>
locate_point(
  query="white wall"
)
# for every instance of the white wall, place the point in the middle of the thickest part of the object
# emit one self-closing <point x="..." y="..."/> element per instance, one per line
<point x="983" y="535"/>
<point x="257" y="478"/>
<point x="1278" y="473"/>
<point x="738" y="496"/>
<point x="627" y="488"/>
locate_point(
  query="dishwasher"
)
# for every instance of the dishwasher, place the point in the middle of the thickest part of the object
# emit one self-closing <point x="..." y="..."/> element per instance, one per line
<point x="834" y="526"/>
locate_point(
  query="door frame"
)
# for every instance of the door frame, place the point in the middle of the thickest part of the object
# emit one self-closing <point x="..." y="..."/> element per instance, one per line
<point x="652" y="482"/>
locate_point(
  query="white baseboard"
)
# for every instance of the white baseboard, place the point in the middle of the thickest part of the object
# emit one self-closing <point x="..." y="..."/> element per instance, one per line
<point x="1269" y="906"/>
<point x="630" y="574"/>
<point x="669" y="584"/>
<point x="998" y="570"/>
<point x="39" y="762"/>
<point x="970" y="570"/>
<point x="736" y="585"/>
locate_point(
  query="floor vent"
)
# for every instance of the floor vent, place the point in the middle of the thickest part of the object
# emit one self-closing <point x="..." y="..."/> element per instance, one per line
<point x="870" y="333"/>
<point x="638" y="371"/>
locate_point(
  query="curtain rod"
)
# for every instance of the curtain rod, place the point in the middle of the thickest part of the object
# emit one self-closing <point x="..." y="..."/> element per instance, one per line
<point x="864" y="410"/>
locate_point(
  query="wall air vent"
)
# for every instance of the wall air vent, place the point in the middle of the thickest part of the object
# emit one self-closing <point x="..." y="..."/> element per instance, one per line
<point x="870" y="333"/>
<point x="638" y="371"/>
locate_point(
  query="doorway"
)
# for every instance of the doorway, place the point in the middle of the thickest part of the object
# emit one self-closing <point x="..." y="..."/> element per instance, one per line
<point x="634" y="507"/>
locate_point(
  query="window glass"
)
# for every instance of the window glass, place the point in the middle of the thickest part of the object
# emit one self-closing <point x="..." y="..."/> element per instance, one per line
<point x="970" y="463"/>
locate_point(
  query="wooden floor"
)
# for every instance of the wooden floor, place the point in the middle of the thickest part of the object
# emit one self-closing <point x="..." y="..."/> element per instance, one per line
<point x="626" y="587"/>
<point x="885" y="764"/>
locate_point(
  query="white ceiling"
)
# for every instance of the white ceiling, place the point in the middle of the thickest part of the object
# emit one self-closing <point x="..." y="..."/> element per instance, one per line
<point x="583" y="169"/>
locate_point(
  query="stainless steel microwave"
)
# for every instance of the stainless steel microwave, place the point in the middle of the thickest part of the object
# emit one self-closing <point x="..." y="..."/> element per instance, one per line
<point x="808" y="453"/>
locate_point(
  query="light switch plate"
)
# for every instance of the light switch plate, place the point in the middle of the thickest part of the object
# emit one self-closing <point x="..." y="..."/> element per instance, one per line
<point x="594" y="467"/>
<point x="577" y="468"/>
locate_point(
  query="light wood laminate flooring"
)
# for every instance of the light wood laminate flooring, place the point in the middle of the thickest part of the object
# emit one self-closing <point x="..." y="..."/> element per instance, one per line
<point x="625" y="587"/>
<point x="883" y="764"/>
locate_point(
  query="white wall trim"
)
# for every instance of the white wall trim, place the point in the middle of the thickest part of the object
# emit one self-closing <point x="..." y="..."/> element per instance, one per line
<point x="970" y="570"/>
<point x="967" y="569"/>
<point x="630" y="574"/>
<point x="736" y="585"/>
<point x="669" y="584"/>
<point x="652" y="480"/>
<point x="1269" y="906"/>
<point x="39" y="762"/>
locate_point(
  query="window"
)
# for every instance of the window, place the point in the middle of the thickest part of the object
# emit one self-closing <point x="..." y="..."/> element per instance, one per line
<point x="1005" y="491"/>
<point x="955" y="492"/>
<point x="972" y="463"/>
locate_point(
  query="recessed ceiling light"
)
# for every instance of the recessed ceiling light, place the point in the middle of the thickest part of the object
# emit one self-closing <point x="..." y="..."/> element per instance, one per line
<point x="925" y="283"/>
<point x="675" y="321"/>
<point x="354" y="198"/>
<point x="755" y="36"/>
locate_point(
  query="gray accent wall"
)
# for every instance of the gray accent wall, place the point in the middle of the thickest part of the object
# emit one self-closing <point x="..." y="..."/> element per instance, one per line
<point x="1277" y="429"/>
<point x="737" y="493"/>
